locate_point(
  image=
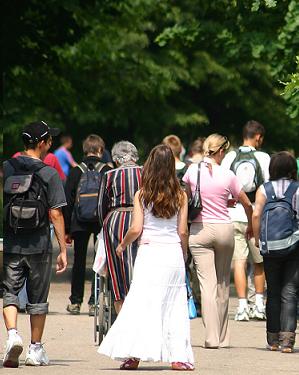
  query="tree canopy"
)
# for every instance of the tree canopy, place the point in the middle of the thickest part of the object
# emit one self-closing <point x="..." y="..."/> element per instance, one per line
<point x="141" y="69"/>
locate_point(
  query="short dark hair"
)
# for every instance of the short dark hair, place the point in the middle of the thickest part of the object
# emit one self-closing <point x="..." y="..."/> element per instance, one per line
<point x="283" y="165"/>
<point x="32" y="146"/>
<point x="93" y="144"/>
<point x="252" y="128"/>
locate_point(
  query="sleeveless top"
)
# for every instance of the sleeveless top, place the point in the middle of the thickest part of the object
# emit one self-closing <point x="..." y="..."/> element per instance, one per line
<point x="159" y="230"/>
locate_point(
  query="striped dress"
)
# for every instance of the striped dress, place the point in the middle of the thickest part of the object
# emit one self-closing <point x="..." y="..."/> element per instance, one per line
<point x="116" y="197"/>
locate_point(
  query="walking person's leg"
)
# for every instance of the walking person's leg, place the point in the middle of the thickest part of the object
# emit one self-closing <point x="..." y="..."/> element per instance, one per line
<point x="224" y="248"/>
<point x="200" y="243"/>
<point x="38" y="286"/>
<point x="14" y="274"/>
<point x="78" y="271"/>
<point x="240" y="257"/>
<point x="273" y="306"/>
<point x="288" y="315"/>
<point x="258" y="311"/>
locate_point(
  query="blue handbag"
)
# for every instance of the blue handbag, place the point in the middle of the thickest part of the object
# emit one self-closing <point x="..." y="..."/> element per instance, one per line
<point x="191" y="304"/>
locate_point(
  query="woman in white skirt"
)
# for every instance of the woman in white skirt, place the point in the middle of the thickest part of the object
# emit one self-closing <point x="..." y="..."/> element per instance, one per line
<point x="153" y="324"/>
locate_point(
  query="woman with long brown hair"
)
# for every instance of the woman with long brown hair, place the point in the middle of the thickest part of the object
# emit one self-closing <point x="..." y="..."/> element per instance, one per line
<point x="147" y="326"/>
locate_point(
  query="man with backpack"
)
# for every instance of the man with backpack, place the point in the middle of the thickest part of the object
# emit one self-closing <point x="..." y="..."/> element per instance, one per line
<point x="252" y="169"/>
<point x="80" y="215"/>
<point x="33" y="195"/>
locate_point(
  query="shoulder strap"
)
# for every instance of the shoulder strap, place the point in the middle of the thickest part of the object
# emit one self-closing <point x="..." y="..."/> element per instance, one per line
<point x="291" y="190"/>
<point x="99" y="166"/>
<point x="83" y="167"/>
<point x="269" y="191"/>
<point x="198" y="177"/>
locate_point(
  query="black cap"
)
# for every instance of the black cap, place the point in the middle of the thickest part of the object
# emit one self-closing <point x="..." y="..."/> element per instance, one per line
<point x="37" y="131"/>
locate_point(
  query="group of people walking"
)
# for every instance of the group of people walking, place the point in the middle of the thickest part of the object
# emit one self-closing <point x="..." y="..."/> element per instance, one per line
<point x="143" y="215"/>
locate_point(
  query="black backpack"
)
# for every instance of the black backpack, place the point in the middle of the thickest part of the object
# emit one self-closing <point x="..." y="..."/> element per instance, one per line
<point x="87" y="192"/>
<point x="25" y="198"/>
<point x="243" y="165"/>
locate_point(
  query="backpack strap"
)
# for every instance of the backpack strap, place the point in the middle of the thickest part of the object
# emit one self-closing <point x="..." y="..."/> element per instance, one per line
<point x="269" y="191"/>
<point x="291" y="190"/>
<point x="99" y="166"/>
<point x="83" y="167"/>
<point x="197" y="188"/>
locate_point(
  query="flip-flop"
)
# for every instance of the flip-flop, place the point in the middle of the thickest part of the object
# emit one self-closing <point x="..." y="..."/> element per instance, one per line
<point x="130" y="364"/>
<point x="182" y="366"/>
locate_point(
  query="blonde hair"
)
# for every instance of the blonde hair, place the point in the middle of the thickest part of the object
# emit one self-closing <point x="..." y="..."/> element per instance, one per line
<point x="174" y="143"/>
<point x="214" y="143"/>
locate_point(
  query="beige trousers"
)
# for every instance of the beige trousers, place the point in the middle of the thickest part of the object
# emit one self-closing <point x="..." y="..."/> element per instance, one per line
<point x="212" y="247"/>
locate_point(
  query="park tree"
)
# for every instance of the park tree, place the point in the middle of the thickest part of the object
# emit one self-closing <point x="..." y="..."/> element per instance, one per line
<point x="139" y="69"/>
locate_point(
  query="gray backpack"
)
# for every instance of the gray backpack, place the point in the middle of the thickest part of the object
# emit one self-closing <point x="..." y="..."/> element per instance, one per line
<point x="25" y="199"/>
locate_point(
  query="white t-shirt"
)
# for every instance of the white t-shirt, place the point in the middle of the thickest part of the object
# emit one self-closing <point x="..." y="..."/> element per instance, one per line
<point x="238" y="213"/>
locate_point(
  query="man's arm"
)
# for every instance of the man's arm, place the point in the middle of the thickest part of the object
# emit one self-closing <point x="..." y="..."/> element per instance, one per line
<point x="58" y="223"/>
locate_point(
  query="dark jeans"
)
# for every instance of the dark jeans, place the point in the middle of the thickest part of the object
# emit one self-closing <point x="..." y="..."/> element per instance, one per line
<point x="35" y="269"/>
<point x="81" y="240"/>
<point x="282" y="275"/>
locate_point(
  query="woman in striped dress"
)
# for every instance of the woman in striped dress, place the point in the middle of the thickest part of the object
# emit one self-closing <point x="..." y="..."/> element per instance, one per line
<point x="116" y="198"/>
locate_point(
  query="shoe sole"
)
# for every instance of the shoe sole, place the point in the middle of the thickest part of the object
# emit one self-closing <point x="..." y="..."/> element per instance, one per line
<point x="12" y="359"/>
<point x="30" y="362"/>
<point x="242" y="320"/>
<point x="73" y="312"/>
<point x="272" y="348"/>
<point x="287" y="350"/>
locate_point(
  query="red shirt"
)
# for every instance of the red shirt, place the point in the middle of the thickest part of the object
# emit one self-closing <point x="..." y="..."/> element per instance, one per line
<point x="52" y="161"/>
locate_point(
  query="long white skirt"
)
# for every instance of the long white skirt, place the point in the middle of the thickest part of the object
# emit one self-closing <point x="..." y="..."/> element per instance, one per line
<point x="153" y="324"/>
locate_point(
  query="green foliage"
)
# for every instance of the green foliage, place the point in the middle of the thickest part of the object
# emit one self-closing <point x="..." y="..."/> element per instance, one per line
<point x="291" y="93"/>
<point x="140" y="69"/>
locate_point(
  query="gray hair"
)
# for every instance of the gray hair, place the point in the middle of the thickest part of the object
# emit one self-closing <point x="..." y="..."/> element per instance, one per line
<point x="124" y="152"/>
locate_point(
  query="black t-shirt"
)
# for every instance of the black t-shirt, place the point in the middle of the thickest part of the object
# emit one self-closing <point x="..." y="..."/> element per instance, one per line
<point x="38" y="241"/>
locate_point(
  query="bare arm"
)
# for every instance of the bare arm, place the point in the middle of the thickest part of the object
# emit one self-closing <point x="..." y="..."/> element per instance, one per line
<point x="182" y="225"/>
<point x="243" y="199"/>
<point x="58" y="222"/>
<point x="260" y="200"/>
<point x="136" y="227"/>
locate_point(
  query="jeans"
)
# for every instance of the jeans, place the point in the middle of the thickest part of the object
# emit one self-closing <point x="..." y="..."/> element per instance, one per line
<point x="81" y="240"/>
<point x="282" y="275"/>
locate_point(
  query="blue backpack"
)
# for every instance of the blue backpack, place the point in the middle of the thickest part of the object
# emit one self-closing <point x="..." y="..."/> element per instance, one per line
<point x="87" y="193"/>
<point x="279" y="234"/>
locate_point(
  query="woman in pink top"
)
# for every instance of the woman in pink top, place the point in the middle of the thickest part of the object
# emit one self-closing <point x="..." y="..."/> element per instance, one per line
<point x="211" y="240"/>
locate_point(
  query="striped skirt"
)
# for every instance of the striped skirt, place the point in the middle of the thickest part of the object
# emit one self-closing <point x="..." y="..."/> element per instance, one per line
<point x="115" y="227"/>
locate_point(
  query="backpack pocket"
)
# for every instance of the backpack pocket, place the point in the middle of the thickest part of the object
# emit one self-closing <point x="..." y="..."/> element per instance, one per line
<point x="26" y="215"/>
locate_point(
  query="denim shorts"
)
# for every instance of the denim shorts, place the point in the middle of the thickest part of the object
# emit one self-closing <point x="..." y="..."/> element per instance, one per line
<point x="35" y="269"/>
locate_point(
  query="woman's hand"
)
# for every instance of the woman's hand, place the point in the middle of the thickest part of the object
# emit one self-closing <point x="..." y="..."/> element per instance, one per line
<point x="119" y="251"/>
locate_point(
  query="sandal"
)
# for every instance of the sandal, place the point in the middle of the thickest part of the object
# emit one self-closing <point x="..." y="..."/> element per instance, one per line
<point x="182" y="366"/>
<point x="130" y="364"/>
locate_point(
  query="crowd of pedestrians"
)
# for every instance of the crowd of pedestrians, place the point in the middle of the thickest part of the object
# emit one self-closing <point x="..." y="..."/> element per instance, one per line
<point x="246" y="216"/>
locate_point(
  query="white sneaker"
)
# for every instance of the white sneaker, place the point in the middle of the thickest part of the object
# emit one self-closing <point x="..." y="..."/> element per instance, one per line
<point x="36" y="356"/>
<point x="258" y="312"/>
<point x="13" y="350"/>
<point x="242" y="315"/>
